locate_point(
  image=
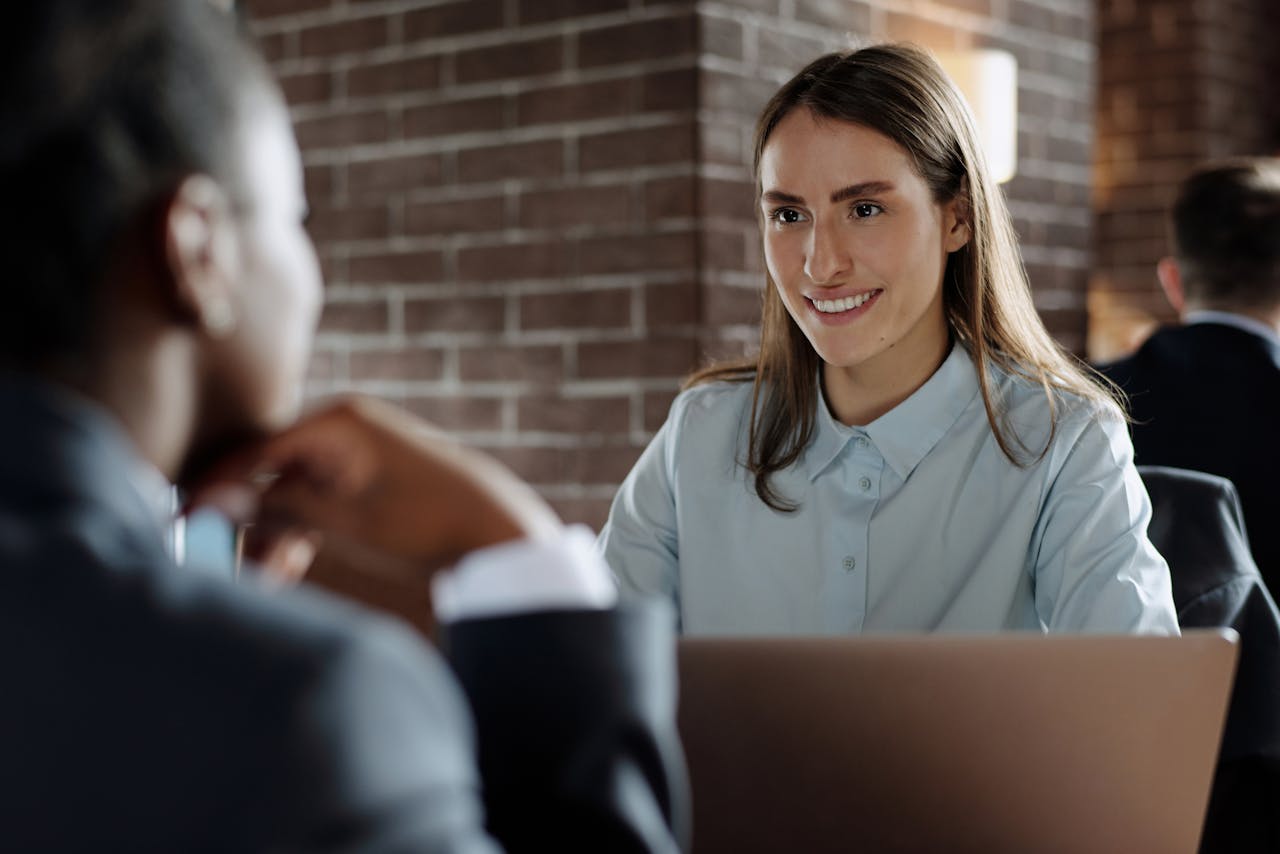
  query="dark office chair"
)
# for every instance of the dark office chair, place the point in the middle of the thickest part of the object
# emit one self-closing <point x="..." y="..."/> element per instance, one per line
<point x="1198" y="526"/>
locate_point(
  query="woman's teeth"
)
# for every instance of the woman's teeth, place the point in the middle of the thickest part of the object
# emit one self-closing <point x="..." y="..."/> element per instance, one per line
<point x="833" y="306"/>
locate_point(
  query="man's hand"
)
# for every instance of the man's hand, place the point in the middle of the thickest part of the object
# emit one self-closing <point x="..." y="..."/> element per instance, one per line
<point x="367" y="476"/>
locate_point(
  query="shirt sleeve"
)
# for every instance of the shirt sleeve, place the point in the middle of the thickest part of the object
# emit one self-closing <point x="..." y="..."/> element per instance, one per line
<point x="523" y="576"/>
<point x="1095" y="568"/>
<point x="639" y="542"/>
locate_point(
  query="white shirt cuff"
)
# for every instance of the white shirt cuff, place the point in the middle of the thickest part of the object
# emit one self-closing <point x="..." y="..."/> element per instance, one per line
<point x="565" y="572"/>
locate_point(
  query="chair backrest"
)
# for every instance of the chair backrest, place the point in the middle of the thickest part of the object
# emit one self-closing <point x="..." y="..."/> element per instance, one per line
<point x="1197" y="524"/>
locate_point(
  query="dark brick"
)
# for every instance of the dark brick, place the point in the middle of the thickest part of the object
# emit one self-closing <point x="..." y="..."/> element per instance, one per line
<point x="343" y="37"/>
<point x="656" y="356"/>
<point x="342" y="130"/>
<point x="576" y="309"/>
<point x="640" y="147"/>
<point x="541" y="11"/>
<point x="669" y="90"/>
<point x="512" y="261"/>
<point x="666" y="198"/>
<point x="625" y="254"/>
<point x="513" y="363"/>
<point x="454" y="314"/>
<point x="538" y="159"/>
<point x="398" y="77"/>
<point x="476" y="114"/>
<point x="454" y="216"/>
<point x="260" y="9"/>
<point x="726" y="305"/>
<point x="337" y="224"/>
<point x="308" y="88"/>
<point x="575" y="206"/>
<point x="585" y="415"/>
<point x="458" y="414"/>
<point x="576" y="102"/>
<point x="670" y="305"/>
<point x="363" y="318"/>
<point x="397" y="363"/>
<point x="396" y="267"/>
<point x="394" y="174"/>
<point x="451" y="19"/>
<point x="653" y="39"/>
<point x="510" y="59"/>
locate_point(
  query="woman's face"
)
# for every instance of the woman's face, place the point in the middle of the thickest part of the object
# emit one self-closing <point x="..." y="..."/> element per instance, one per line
<point x="856" y="245"/>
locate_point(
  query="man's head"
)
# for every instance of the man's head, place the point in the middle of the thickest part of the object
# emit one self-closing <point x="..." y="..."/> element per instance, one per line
<point x="152" y="191"/>
<point x="1226" y="239"/>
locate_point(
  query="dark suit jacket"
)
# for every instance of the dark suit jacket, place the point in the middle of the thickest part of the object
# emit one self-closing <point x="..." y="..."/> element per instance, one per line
<point x="1196" y="524"/>
<point x="1207" y="397"/>
<point x="150" y="709"/>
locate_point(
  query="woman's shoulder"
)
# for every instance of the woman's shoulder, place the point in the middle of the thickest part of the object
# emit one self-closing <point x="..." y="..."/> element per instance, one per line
<point x="715" y="399"/>
<point x="1060" y="411"/>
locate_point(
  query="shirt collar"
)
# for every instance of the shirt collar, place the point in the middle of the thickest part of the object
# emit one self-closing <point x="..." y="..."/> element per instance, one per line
<point x="907" y="433"/>
<point x="1239" y="321"/>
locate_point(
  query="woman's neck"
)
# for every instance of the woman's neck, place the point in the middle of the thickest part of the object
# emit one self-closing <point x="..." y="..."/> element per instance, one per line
<point x="858" y="395"/>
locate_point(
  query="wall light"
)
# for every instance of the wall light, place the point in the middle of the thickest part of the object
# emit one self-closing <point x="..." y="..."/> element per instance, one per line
<point x="989" y="81"/>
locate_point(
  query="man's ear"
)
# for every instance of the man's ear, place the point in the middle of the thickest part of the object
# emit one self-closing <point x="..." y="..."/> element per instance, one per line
<point x="202" y="253"/>
<point x="1170" y="276"/>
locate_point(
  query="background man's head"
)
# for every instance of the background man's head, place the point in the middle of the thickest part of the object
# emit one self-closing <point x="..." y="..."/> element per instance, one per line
<point x="152" y="193"/>
<point x="1225" y="225"/>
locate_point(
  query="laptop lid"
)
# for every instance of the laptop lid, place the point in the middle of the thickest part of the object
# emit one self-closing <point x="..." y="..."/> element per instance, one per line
<point x="1010" y="743"/>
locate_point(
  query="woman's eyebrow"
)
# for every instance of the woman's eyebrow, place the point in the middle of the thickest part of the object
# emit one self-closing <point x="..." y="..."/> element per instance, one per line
<point x="778" y="197"/>
<point x="861" y="189"/>
<point x="844" y="194"/>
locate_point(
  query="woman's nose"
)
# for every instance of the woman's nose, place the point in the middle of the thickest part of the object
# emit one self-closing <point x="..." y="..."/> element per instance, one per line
<point x="826" y="259"/>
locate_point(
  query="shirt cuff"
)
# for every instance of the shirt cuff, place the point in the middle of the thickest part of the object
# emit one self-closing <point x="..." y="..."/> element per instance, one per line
<point x="563" y="572"/>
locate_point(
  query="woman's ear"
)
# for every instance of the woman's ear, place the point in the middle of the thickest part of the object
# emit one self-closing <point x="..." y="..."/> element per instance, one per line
<point x="202" y="254"/>
<point x="956" y="219"/>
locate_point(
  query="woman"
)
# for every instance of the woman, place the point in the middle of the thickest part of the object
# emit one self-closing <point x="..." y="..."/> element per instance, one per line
<point x="910" y="450"/>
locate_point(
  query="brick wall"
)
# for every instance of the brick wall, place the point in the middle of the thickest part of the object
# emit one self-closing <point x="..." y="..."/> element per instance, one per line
<point x="503" y="197"/>
<point x="1183" y="81"/>
<point x="535" y="216"/>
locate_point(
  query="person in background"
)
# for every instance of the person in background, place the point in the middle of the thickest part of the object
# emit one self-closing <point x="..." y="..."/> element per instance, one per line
<point x="1205" y="394"/>
<point x="160" y="298"/>
<point x="910" y="450"/>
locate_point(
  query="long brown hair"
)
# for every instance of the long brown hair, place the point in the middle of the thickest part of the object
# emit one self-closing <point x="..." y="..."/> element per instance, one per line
<point x="902" y="93"/>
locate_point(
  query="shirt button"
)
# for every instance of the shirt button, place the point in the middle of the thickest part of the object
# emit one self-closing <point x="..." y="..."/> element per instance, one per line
<point x="864" y="483"/>
<point x="861" y="442"/>
<point x="849" y="563"/>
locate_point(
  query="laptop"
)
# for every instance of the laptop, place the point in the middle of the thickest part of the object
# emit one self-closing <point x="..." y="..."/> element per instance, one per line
<point x="941" y="743"/>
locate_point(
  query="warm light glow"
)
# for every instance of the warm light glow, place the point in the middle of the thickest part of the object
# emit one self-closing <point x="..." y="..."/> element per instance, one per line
<point x="989" y="81"/>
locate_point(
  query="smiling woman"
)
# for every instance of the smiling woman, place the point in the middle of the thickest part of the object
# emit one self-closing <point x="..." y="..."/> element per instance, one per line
<point x="910" y="450"/>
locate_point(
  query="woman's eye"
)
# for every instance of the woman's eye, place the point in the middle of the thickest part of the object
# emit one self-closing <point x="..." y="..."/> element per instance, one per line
<point x="786" y="216"/>
<point x="863" y="210"/>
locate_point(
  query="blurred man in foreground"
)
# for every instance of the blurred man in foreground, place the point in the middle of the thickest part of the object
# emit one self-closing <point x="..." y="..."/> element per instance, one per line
<point x="160" y="298"/>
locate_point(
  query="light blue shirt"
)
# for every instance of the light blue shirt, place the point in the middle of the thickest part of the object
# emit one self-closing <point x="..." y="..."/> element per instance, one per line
<point x="917" y="522"/>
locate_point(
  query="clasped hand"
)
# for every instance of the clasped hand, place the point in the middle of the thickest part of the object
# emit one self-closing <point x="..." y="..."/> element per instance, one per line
<point x="361" y="475"/>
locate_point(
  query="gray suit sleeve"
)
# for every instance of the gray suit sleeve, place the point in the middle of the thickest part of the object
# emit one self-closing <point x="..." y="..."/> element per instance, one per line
<point x="383" y="753"/>
<point x="575" y="715"/>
